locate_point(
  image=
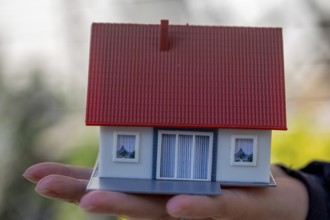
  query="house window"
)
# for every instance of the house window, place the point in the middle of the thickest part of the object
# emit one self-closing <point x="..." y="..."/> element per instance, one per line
<point x="244" y="150"/>
<point x="126" y="147"/>
<point x="184" y="155"/>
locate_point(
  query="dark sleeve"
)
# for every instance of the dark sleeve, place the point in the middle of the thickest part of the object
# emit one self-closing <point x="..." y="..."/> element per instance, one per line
<point x="316" y="177"/>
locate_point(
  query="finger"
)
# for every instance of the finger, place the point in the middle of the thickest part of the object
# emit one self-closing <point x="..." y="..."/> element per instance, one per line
<point x="128" y="205"/>
<point x="39" y="171"/>
<point x="62" y="187"/>
<point x="200" y="207"/>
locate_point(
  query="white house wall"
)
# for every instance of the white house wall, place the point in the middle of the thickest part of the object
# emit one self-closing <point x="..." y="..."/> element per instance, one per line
<point x="228" y="172"/>
<point x="110" y="168"/>
<point x="225" y="171"/>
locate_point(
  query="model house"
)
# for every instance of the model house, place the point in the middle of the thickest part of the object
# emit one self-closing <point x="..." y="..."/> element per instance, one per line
<point x="184" y="108"/>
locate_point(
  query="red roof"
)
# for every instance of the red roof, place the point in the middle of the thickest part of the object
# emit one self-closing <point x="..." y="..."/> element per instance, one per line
<point x="211" y="77"/>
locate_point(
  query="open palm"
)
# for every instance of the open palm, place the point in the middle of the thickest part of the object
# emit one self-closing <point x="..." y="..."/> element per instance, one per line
<point x="287" y="201"/>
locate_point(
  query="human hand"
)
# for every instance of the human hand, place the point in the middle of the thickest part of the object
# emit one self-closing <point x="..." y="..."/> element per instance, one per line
<point x="68" y="183"/>
<point x="287" y="201"/>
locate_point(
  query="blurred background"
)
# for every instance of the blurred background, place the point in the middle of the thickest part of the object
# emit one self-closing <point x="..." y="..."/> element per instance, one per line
<point x="44" y="50"/>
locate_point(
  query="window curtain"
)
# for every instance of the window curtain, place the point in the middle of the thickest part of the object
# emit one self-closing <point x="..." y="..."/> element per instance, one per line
<point x="178" y="161"/>
<point x="245" y="144"/>
<point x="127" y="142"/>
<point x="201" y="157"/>
<point x="167" y="162"/>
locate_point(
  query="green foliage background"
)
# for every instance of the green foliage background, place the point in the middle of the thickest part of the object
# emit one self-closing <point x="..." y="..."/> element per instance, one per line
<point x="300" y="145"/>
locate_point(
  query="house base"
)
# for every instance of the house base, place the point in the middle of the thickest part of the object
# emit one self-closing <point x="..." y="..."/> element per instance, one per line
<point x="168" y="187"/>
<point x="150" y="186"/>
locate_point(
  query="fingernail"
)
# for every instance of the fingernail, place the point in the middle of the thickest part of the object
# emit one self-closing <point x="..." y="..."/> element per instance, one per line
<point x="28" y="176"/>
<point x="42" y="191"/>
<point x="87" y="203"/>
<point x="42" y="187"/>
<point x="87" y="207"/>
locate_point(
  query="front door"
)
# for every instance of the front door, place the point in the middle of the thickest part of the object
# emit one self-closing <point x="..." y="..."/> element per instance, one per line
<point x="184" y="155"/>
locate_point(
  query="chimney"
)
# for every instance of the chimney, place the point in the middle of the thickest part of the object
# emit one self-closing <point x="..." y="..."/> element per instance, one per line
<point x="164" y="36"/>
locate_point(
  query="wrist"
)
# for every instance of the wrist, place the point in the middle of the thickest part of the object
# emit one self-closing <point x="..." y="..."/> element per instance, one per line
<point x="317" y="208"/>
